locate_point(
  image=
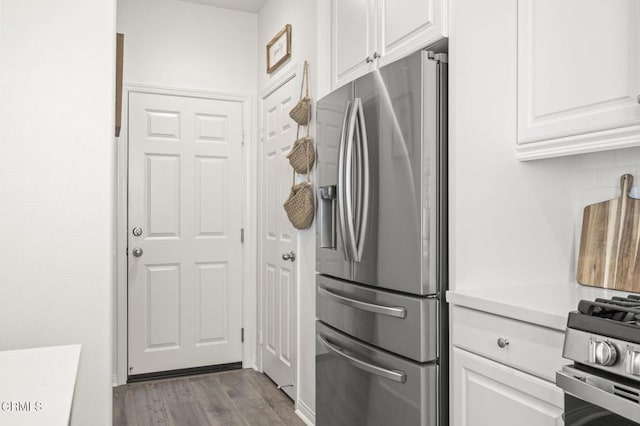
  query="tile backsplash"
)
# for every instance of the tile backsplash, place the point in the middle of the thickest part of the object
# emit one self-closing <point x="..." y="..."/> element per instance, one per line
<point x="597" y="178"/>
<point x="598" y="175"/>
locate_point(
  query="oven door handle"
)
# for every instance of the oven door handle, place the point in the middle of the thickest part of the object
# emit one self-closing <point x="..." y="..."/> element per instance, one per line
<point x="589" y="388"/>
<point x="395" y="375"/>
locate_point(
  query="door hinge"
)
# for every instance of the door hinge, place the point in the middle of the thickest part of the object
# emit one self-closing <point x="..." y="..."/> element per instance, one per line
<point x="242" y="335"/>
<point x="127" y="252"/>
<point x="242" y="235"/>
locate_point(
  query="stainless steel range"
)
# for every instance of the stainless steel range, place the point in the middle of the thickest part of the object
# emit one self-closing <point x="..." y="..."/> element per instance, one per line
<point x="602" y="387"/>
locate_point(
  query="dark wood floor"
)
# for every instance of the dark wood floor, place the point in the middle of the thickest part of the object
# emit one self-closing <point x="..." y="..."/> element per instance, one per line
<point x="238" y="397"/>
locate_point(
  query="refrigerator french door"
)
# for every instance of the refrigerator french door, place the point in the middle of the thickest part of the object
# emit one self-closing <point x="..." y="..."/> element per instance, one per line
<point x="382" y="178"/>
<point x="381" y="237"/>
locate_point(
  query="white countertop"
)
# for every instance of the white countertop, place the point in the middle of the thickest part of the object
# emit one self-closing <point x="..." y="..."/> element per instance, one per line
<point x="37" y="385"/>
<point x="546" y="305"/>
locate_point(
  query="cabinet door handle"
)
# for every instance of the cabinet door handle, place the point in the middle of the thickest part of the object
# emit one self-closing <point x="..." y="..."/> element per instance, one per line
<point x="376" y="55"/>
<point x="368" y="59"/>
<point x="503" y="343"/>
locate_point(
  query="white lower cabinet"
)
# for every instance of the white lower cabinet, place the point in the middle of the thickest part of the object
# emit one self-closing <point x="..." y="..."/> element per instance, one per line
<point x="503" y="371"/>
<point x="485" y="393"/>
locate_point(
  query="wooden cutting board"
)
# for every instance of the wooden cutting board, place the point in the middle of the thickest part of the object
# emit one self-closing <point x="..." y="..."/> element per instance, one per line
<point x="610" y="242"/>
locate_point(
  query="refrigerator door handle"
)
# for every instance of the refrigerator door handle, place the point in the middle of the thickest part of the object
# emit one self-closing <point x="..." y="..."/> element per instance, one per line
<point x="341" y="182"/>
<point x="363" y="187"/>
<point x="392" y="311"/>
<point x="395" y="375"/>
<point x="348" y="182"/>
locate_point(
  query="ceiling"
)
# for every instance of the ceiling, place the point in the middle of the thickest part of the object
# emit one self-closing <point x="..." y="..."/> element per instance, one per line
<point x="252" y="6"/>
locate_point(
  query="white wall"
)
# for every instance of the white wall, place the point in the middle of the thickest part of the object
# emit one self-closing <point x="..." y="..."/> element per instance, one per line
<point x="272" y="18"/>
<point x="57" y="62"/>
<point x="512" y="223"/>
<point x="187" y="45"/>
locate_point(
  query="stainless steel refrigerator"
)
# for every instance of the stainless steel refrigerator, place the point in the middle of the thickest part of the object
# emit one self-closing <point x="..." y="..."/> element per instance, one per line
<point x="381" y="235"/>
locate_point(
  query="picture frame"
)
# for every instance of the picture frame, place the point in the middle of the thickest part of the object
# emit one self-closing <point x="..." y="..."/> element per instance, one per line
<point x="279" y="49"/>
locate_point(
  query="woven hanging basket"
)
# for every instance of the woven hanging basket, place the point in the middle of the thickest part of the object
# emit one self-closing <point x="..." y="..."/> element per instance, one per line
<point x="302" y="155"/>
<point x="301" y="113"/>
<point x="300" y="206"/>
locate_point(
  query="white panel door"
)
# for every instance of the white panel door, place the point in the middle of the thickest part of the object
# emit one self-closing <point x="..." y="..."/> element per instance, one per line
<point x="487" y="393"/>
<point x="578" y="72"/>
<point x="278" y="276"/>
<point x="185" y="306"/>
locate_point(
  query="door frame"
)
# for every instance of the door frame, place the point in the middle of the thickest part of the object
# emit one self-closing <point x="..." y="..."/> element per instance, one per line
<point x="249" y="221"/>
<point x="293" y="72"/>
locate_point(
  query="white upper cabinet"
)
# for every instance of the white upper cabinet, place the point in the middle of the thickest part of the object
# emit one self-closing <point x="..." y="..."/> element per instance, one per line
<point x="578" y="76"/>
<point x="353" y="39"/>
<point x="366" y="34"/>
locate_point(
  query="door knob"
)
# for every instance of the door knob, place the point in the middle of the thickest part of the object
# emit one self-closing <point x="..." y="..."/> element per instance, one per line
<point x="137" y="252"/>
<point x="289" y="256"/>
<point x="137" y="231"/>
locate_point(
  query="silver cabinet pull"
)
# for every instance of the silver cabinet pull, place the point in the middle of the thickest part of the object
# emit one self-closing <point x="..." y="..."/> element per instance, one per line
<point x="137" y="231"/>
<point x="392" y="311"/>
<point x="289" y="256"/>
<point x="395" y="375"/>
<point x="503" y="343"/>
<point x="137" y="252"/>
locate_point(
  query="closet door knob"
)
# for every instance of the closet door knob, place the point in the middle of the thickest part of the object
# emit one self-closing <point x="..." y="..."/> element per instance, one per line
<point x="503" y="343"/>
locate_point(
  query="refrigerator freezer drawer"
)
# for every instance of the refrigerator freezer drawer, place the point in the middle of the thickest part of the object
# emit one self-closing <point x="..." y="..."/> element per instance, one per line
<point x="405" y="325"/>
<point x="358" y="384"/>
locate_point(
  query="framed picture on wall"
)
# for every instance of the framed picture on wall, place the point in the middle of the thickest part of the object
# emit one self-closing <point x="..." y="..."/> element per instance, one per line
<point x="279" y="49"/>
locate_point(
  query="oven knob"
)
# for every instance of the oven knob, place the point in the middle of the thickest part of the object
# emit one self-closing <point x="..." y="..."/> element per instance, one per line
<point x="633" y="363"/>
<point x="602" y="353"/>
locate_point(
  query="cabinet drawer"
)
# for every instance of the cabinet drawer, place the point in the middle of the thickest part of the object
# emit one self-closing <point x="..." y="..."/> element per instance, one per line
<point x="531" y="348"/>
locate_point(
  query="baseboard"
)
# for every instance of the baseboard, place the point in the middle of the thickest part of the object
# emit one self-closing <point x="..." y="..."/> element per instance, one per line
<point x="307" y="415"/>
<point x="251" y="363"/>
